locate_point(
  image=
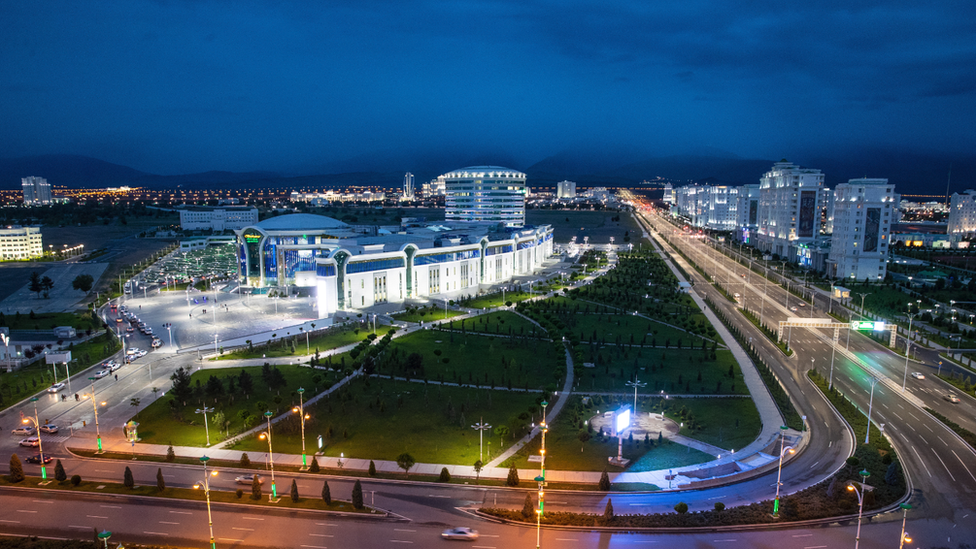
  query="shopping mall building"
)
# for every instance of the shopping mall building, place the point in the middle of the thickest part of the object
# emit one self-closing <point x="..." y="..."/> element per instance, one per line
<point x="352" y="270"/>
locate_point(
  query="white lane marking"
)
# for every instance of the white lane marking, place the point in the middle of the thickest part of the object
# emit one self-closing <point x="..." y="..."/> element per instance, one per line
<point x="232" y="539"/>
<point x="946" y="467"/>
<point x="103" y="471"/>
<point x="722" y="540"/>
<point x="716" y="497"/>
<point x="927" y="427"/>
<point x="940" y="438"/>
<point x="402" y="530"/>
<point x="921" y="460"/>
<point x="164" y="522"/>
<point x="41" y="501"/>
<point x="566" y="539"/>
<point x="483" y="547"/>
<point x="964" y="467"/>
<point x="181" y="512"/>
<point x="326" y="524"/>
<point x="644" y="541"/>
<point x="802" y="535"/>
<point x="244" y="529"/>
<point x="315" y="546"/>
<point x="898" y="416"/>
<point x="96" y="516"/>
<point x="900" y="406"/>
<point x="914" y="417"/>
<point x="155" y="533"/>
<point x="25" y="511"/>
<point x="15" y="522"/>
<point x="400" y="541"/>
<point x="251" y="518"/>
<point x="322" y="535"/>
<point x="110" y="506"/>
<point x="433" y="496"/>
<point x="815" y="464"/>
<point x="815" y="547"/>
<point x="84" y="527"/>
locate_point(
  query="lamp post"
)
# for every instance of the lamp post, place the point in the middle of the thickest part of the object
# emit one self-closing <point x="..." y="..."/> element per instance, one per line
<point x="6" y="350"/>
<point x="541" y="479"/>
<point x="481" y="427"/>
<point x="908" y="346"/>
<point x="301" y="410"/>
<point x="874" y="381"/>
<point x="904" y="515"/>
<point x="40" y="443"/>
<point x="104" y="535"/>
<point x="860" y="502"/>
<point x="273" y="496"/>
<point x="307" y="347"/>
<point x="783" y="449"/>
<point x="635" y="384"/>
<point x="98" y="435"/>
<point x="862" y="302"/>
<point x="169" y="328"/>
<point x="206" y="491"/>
<point x="206" y="425"/>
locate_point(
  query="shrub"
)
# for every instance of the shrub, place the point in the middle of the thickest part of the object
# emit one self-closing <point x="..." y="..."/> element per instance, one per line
<point x="170" y="454"/>
<point x="357" y="495"/>
<point x="245" y="461"/>
<point x="294" y="491"/>
<point x="608" y="512"/>
<point x="75" y="480"/>
<point x="59" y="474"/>
<point x="528" y="509"/>
<point x="160" y="483"/>
<point x="445" y="475"/>
<point x="239" y="493"/>
<point x="314" y="466"/>
<point x="255" y="488"/>
<point x="372" y="468"/>
<point x="16" y="469"/>
<point x="127" y="479"/>
<point x="513" y="478"/>
<point x="681" y="508"/>
<point x="326" y="493"/>
<point x="719" y="506"/>
<point x="605" y="481"/>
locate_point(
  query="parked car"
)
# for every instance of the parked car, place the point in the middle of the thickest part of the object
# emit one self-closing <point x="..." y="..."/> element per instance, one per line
<point x="102" y="373"/>
<point x="461" y="532"/>
<point x="49" y="428"/>
<point x="951" y="397"/>
<point x="918" y="375"/>
<point x="115" y="366"/>
<point x="36" y="458"/>
<point x="25" y="430"/>
<point x="56" y="387"/>
<point x="248" y="479"/>
<point x="30" y="442"/>
<point x="156" y="343"/>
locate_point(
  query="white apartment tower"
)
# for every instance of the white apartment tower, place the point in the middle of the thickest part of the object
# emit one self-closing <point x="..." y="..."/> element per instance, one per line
<point x="37" y="191"/>
<point x="721" y="214"/>
<point x="962" y="216"/>
<point x="408" y="190"/>
<point x="863" y="213"/>
<point x="566" y="189"/>
<point x="668" y="194"/>
<point x="485" y="193"/>
<point x="18" y="242"/>
<point x="791" y="201"/>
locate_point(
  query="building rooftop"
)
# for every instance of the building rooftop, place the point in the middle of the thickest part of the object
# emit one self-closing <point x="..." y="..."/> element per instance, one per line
<point x="484" y="171"/>
<point x="300" y="222"/>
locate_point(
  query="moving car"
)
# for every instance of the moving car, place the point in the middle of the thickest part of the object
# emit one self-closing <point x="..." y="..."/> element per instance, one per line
<point x="248" y="479"/>
<point x="55" y="387"/>
<point x="102" y="373"/>
<point x="461" y="532"/>
<point x="951" y="397"/>
<point x="49" y="428"/>
<point x="30" y="442"/>
<point x="36" y="458"/>
<point x="156" y="343"/>
<point x="793" y="309"/>
<point x="115" y="366"/>
<point x="24" y="430"/>
<point x="918" y="375"/>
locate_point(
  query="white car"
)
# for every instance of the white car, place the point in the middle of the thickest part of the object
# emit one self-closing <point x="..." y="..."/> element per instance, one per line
<point x="49" y="428"/>
<point x="156" y="343"/>
<point x="56" y="387"/>
<point x="793" y="309"/>
<point x="30" y="442"/>
<point x="25" y="430"/>
<point x="102" y="373"/>
<point x="918" y="375"/>
<point x="115" y="366"/>
<point x="248" y="479"/>
<point x="951" y="397"/>
<point x="462" y="533"/>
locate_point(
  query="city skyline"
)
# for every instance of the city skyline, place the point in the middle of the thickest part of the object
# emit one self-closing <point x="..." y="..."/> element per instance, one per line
<point x="186" y="87"/>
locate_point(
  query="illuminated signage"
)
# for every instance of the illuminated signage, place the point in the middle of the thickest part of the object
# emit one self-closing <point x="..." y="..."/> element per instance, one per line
<point x="868" y="325"/>
<point x="622" y="420"/>
<point x="252" y="237"/>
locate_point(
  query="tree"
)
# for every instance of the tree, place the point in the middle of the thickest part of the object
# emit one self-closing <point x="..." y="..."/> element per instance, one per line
<point x="160" y="483"/>
<point x="34" y="283"/>
<point x="314" y="466"/>
<point x="357" y="495"/>
<point x="294" y="491"/>
<point x="127" y="479"/>
<point x="16" y="469"/>
<point x="59" y="474"/>
<point x="892" y="475"/>
<point x="604" y="482"/>
<point x="245" y="461"/>
<point x="372" y="468"/>
<point x="681" y="508"/>
<point x="528" y="509"/>
<point x="83" y="283"/>
<point x="326" y="493"/>
<point x="255" y="488"/>
<point x="719" y="506"/>
<point x="47" y="284"/>
<point x="608" y="512"/>
<point x="170" y="454"/>
<point x="445" y="475"/>
<point x="478" y="466"/>
<point x="583" y="437"/>
<point x="405" y="461"/>
<point x="182" y="390"/>
<point x="513" y="478"/>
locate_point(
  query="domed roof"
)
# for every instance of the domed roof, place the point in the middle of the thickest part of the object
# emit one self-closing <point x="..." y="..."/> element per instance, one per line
<point x="485" y="171"/>
<point x="300" y="222"/>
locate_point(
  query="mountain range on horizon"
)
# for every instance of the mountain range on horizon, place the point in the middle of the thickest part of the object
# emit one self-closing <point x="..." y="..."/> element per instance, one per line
<point x="912" y="173"/>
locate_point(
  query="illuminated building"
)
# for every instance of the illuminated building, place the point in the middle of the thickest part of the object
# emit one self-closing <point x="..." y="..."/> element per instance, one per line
<point x="962" y="216"/>
<point x="408" y="192"/>
<point x="791" y="204"/>
<point x="18" y="242"/>
<point x="566" y="189"/>
<point x="485" y="194"/>
<point x="37" y="191"/>
<point x="195" y="218"/>
<point x="863" y="215"/>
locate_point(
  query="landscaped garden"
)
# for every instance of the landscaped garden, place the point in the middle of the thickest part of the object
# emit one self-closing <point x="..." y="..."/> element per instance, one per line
<point x="294" y="343"/>
<point x="426" y="313"/>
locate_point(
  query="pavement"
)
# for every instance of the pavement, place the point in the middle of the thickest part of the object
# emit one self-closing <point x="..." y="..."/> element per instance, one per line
<point x="61" y="298"/>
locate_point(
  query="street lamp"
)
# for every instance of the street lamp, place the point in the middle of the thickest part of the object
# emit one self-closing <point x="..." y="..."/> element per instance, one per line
<point x="273" y="496"/>
<point x="541" y="479"/>
<point x="6" y="349"/>
<point x="98" y="435"/>
<point x="301" y="410"/>
<point x="783" y="450"/>
<point x="206" y="491"/>
<point x="104" y="535"/>
<point x="860" y="502"/>
<point x="206" y="425"/>
<point x="169" y="328"/>
<point x="635" y="384"/>
<point x="481" y="427"/>
<point x="862" y="301"/>
<point x="307" y="348"/>
<point x="40" y="443"/>
<point x="908" y="346"/>
<point x="904" y="535"/>
<point x="874" y="381"/>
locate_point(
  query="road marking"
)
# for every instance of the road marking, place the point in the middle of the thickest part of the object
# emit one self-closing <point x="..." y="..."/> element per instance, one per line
<point x="946" y="467"/>
<point x="716" y="497"/>
<point x="927" y="427"/>
<point x="898" y="416"/>
<point x="940" y="438"/>
<point x="802" y="535"/>
<point x="325" y="524"/>
<point x="566" y="539"/>
<point x="722" y="540"/>
<point x="103" y="471"/>
<point x="251" y="518"/>
<point x="96" y="516"/>
<point x="964" y="467"/>
<point x="15" y="522"/>
<point x="83" y="527"/>
<point x="111" y="506"/>
<point x="322" y="535"/>
<point x="41" y="501"/>
<point x="315" y="546"/>
<point x="402" y="530"/>
<point x="181" y="512"/>
<point x="923" y="461"/>
<point x="495" y="536"/>
<point x="25" y="511"/>
<point x="155" y="533"/>
<point x="400" y="541"/>
<point x="433" y="496"/>
<point x="164" y="522"/>
<point x="244" y="529"/>
<point x="913" y="417"/>
<point x="815" y="464"/>
<point x="644" y="541"/>
<point x="815" y="547"/>
<point x="238" y="540"/>
<point x="483" y="546"/>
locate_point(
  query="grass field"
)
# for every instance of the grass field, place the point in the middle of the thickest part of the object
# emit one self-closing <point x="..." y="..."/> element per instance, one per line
<point x="669" y="370"/>
<point x="380" y="419"/>
<point x="158" y="424"/>
<point x="47" y="321"/>
<point x="322" y="341"/>
<point x="427" y="314"/>
<point x="729" y="423"/>
<point x="500" y="323"/>
<point x="491" y="301"/>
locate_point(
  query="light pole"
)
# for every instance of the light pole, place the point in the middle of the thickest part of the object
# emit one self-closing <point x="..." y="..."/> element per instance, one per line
<point x="307" y="347"/>
<point x="874" y="381"/>
<point x="481" y="427"/>
<point x="6" y="350"/>
<point x="860" y="502"/>
<point x="783" y="449"/>
<point x="169" y="328"/>
<point x="862" y="302"/>
<point x="635" y="384"/>
<point x="104" y="535"/>
<point x="541" y="479"/>
<point x="908" y="346"/>
<point x="301" y="410"/>
<point x="206" y="491"/>
<point x="904" y="536"/>
<point x="273" y="496"/>
<point x="206" y="425"/>
<point x="40" y="443"/>
<point x="98" y="435"/>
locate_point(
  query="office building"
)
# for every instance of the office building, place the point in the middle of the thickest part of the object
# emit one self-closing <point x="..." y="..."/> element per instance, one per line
<point x="37" y="191"/>
<point x="791" y="209"/>
<point x="863" y="215"/>
<point x="668" y="194"/>
<point x="408" y="192"/>
<point x="962" y="217"/>
<point x="566" y="189"/>
<point x="195" y="218"/>
<point x="746" y="214"/>
<point x="485" y="194"/>
<point x="721" y="207"/>
<point x="18" y="242"/>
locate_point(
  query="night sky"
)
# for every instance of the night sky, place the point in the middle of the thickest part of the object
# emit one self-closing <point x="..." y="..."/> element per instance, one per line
<point x="183" y="86"/>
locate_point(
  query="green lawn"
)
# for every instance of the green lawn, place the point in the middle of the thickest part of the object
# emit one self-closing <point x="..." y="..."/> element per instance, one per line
<point x="427" y="314"/>
<point x="323" y="340"/>
<point x="48" y="321"/>
<point x="380" y="419"/>
<point x="480" y="359"/>
<point x="730" y="423"/>
<point x="503" y="323"/>
<point x="627" y="329"/>
<point x="670" y="370"/>
<point x="159" y="424"/>
<point x="495" y="300"/>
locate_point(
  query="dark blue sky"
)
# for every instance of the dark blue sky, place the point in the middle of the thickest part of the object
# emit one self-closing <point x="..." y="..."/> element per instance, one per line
<point x="184" y="86"/>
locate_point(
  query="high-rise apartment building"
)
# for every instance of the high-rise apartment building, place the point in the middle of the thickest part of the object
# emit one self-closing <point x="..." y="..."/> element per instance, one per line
<point x="18" y="242"/>
<point x="863" y="214"/>
<point x="791" y="203"/>
<point x="746" y="214"/>
<point x="691" y="202"/>
<point x="37" y="191"/>
<point x="566" y="189"/>
<point x="721" y="208"/>
<point x="668" y="194"/>
<point x="408" y="190"/>
<point x="485" y="193"/>
<point x="962" y="216"/>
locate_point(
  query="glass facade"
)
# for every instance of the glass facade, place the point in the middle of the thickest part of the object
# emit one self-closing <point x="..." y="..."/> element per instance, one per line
<point x="375" y="265"/>
<point x="446" y="258"/>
